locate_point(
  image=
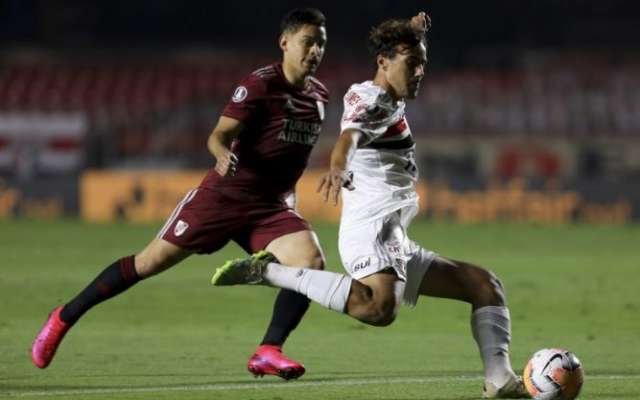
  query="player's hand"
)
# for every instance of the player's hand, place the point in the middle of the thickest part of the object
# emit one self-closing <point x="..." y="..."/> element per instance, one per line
<point x="421" y="22"/>
<point x="331" y="183"/>
<point x="226" y="164"/>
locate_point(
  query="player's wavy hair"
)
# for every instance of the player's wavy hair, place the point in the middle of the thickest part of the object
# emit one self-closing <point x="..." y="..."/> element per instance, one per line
<point x="388" y="38"/>
<point x="298" y="17"/>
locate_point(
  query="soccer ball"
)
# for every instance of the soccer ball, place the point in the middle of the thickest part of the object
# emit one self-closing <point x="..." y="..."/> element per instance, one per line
<point x="553" y="374"/>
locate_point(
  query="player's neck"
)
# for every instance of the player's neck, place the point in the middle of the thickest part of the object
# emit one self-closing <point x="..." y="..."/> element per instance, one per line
<point x="293" y="76"/>
<point x="381" y="81"/>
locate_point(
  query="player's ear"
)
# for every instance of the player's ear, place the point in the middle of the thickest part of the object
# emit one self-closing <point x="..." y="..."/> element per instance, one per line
<point x="284" y="38"/>
<point x="383" y="62"/>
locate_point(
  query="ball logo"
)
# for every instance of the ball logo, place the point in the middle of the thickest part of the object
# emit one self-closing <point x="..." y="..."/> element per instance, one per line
<point x="240" y="94"/>
<point x="180" y="228"/>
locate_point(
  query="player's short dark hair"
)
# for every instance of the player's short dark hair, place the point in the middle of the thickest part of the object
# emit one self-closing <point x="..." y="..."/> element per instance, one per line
<point x="298" y="17"/>
<point x="391" y="35"/>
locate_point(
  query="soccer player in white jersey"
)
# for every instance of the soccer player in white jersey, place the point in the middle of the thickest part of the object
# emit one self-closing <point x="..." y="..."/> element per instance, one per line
<point x="372" y="164"/>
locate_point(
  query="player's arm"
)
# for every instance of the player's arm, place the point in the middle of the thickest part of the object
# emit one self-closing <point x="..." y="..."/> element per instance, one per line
<point x="338" y="176"/>
<point x="219" y="145"/>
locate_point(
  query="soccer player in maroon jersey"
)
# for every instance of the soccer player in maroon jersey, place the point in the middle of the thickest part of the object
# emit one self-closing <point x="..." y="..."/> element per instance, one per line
<point x="261" y="145"/>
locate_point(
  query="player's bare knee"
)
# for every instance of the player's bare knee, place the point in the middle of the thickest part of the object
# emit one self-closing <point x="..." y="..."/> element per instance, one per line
<point x="149" y="263"/>
<point x="382" y="313"/>
<point x="379" y="311"/>
<point x="144" y="266"/>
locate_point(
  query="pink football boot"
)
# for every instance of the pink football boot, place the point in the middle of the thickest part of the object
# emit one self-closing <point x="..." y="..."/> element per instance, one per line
<point x="48" y="340"/>
<point x="269" y="360"/>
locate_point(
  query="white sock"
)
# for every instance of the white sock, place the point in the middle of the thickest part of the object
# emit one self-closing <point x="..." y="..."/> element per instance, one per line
<point x="491" y="327"/>
<point x="329" y="289"/>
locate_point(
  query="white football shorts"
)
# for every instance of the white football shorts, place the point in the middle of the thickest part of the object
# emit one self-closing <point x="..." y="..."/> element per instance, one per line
<point x="370" y="247"/>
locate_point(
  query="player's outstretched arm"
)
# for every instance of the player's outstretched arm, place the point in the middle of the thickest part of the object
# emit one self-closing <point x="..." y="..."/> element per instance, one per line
<point x="337" y="176"/>
<point x="219" y="145"/>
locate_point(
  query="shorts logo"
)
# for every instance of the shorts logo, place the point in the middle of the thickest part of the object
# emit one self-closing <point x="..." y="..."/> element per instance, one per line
<point x="180" y="228"/>
<point x="240" y="94"/>
<point x="393" y="246"/>
<point x="358" y="265"/>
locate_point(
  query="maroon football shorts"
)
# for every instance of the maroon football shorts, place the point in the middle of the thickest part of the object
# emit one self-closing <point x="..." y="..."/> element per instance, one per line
<point x="204" y="221"/>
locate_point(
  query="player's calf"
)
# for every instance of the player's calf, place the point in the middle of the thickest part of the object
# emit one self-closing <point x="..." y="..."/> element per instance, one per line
<point x="484" y="287"/>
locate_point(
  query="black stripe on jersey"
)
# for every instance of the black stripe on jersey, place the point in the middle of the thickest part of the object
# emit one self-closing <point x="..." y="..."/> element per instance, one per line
<point x="403" y="144"/>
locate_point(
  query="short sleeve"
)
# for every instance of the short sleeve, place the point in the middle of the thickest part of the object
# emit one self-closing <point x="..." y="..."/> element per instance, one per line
<point x="246" y="99"/>
<point x="363" y="114"/>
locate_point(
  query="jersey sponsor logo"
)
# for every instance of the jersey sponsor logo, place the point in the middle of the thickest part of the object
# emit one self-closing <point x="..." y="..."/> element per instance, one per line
<point x="239" y="94"/>
<point x="361" y="264"/>
<point x="301" y="132"/>
<point x="180" y="228"/>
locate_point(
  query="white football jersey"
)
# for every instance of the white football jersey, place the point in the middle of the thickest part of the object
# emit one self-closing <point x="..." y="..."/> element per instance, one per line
<point x="383" y="166"/>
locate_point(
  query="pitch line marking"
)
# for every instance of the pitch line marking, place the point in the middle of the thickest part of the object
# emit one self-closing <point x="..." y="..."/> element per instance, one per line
<point x="273" y="385"/>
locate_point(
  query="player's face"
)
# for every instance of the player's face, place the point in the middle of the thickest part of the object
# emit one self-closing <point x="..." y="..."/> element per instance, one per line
<point x="405" y="71"/>
<point x="303" y="49"/>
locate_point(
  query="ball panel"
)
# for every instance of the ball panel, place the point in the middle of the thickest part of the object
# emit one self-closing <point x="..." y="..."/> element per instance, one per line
<point x="526" y="378"/>
<point x="572" y="384"/>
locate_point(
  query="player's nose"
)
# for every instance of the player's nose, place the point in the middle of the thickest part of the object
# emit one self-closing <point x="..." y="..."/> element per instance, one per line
<point x="315" y="50"/>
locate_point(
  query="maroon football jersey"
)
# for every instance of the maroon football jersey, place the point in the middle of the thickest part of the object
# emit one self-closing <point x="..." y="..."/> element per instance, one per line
<point x="282" y="123"/>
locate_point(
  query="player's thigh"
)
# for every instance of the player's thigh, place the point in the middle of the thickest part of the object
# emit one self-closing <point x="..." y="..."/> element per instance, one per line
<point x="158" y="256"/>
<point x="298" y="249"/>
<point x="370" y="247"/>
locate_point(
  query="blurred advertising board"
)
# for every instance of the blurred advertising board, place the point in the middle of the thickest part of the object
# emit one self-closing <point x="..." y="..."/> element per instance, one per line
<point x="42" y="198"/>
<point x="152" y="195"/>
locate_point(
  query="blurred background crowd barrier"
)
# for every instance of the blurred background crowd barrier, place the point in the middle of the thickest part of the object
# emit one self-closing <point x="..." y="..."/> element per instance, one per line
<point x="527" y="113"/>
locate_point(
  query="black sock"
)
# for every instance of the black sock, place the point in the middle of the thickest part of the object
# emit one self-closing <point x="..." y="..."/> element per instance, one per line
<point x="287" y="313"/>
<point x="115" y="279"/>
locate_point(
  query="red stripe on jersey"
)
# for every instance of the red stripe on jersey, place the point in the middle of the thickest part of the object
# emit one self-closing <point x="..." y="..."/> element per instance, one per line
<point x="396" y="129"/>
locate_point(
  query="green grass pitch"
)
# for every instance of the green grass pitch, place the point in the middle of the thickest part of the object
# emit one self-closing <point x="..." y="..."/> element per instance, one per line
<point x="176" y="337"/>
